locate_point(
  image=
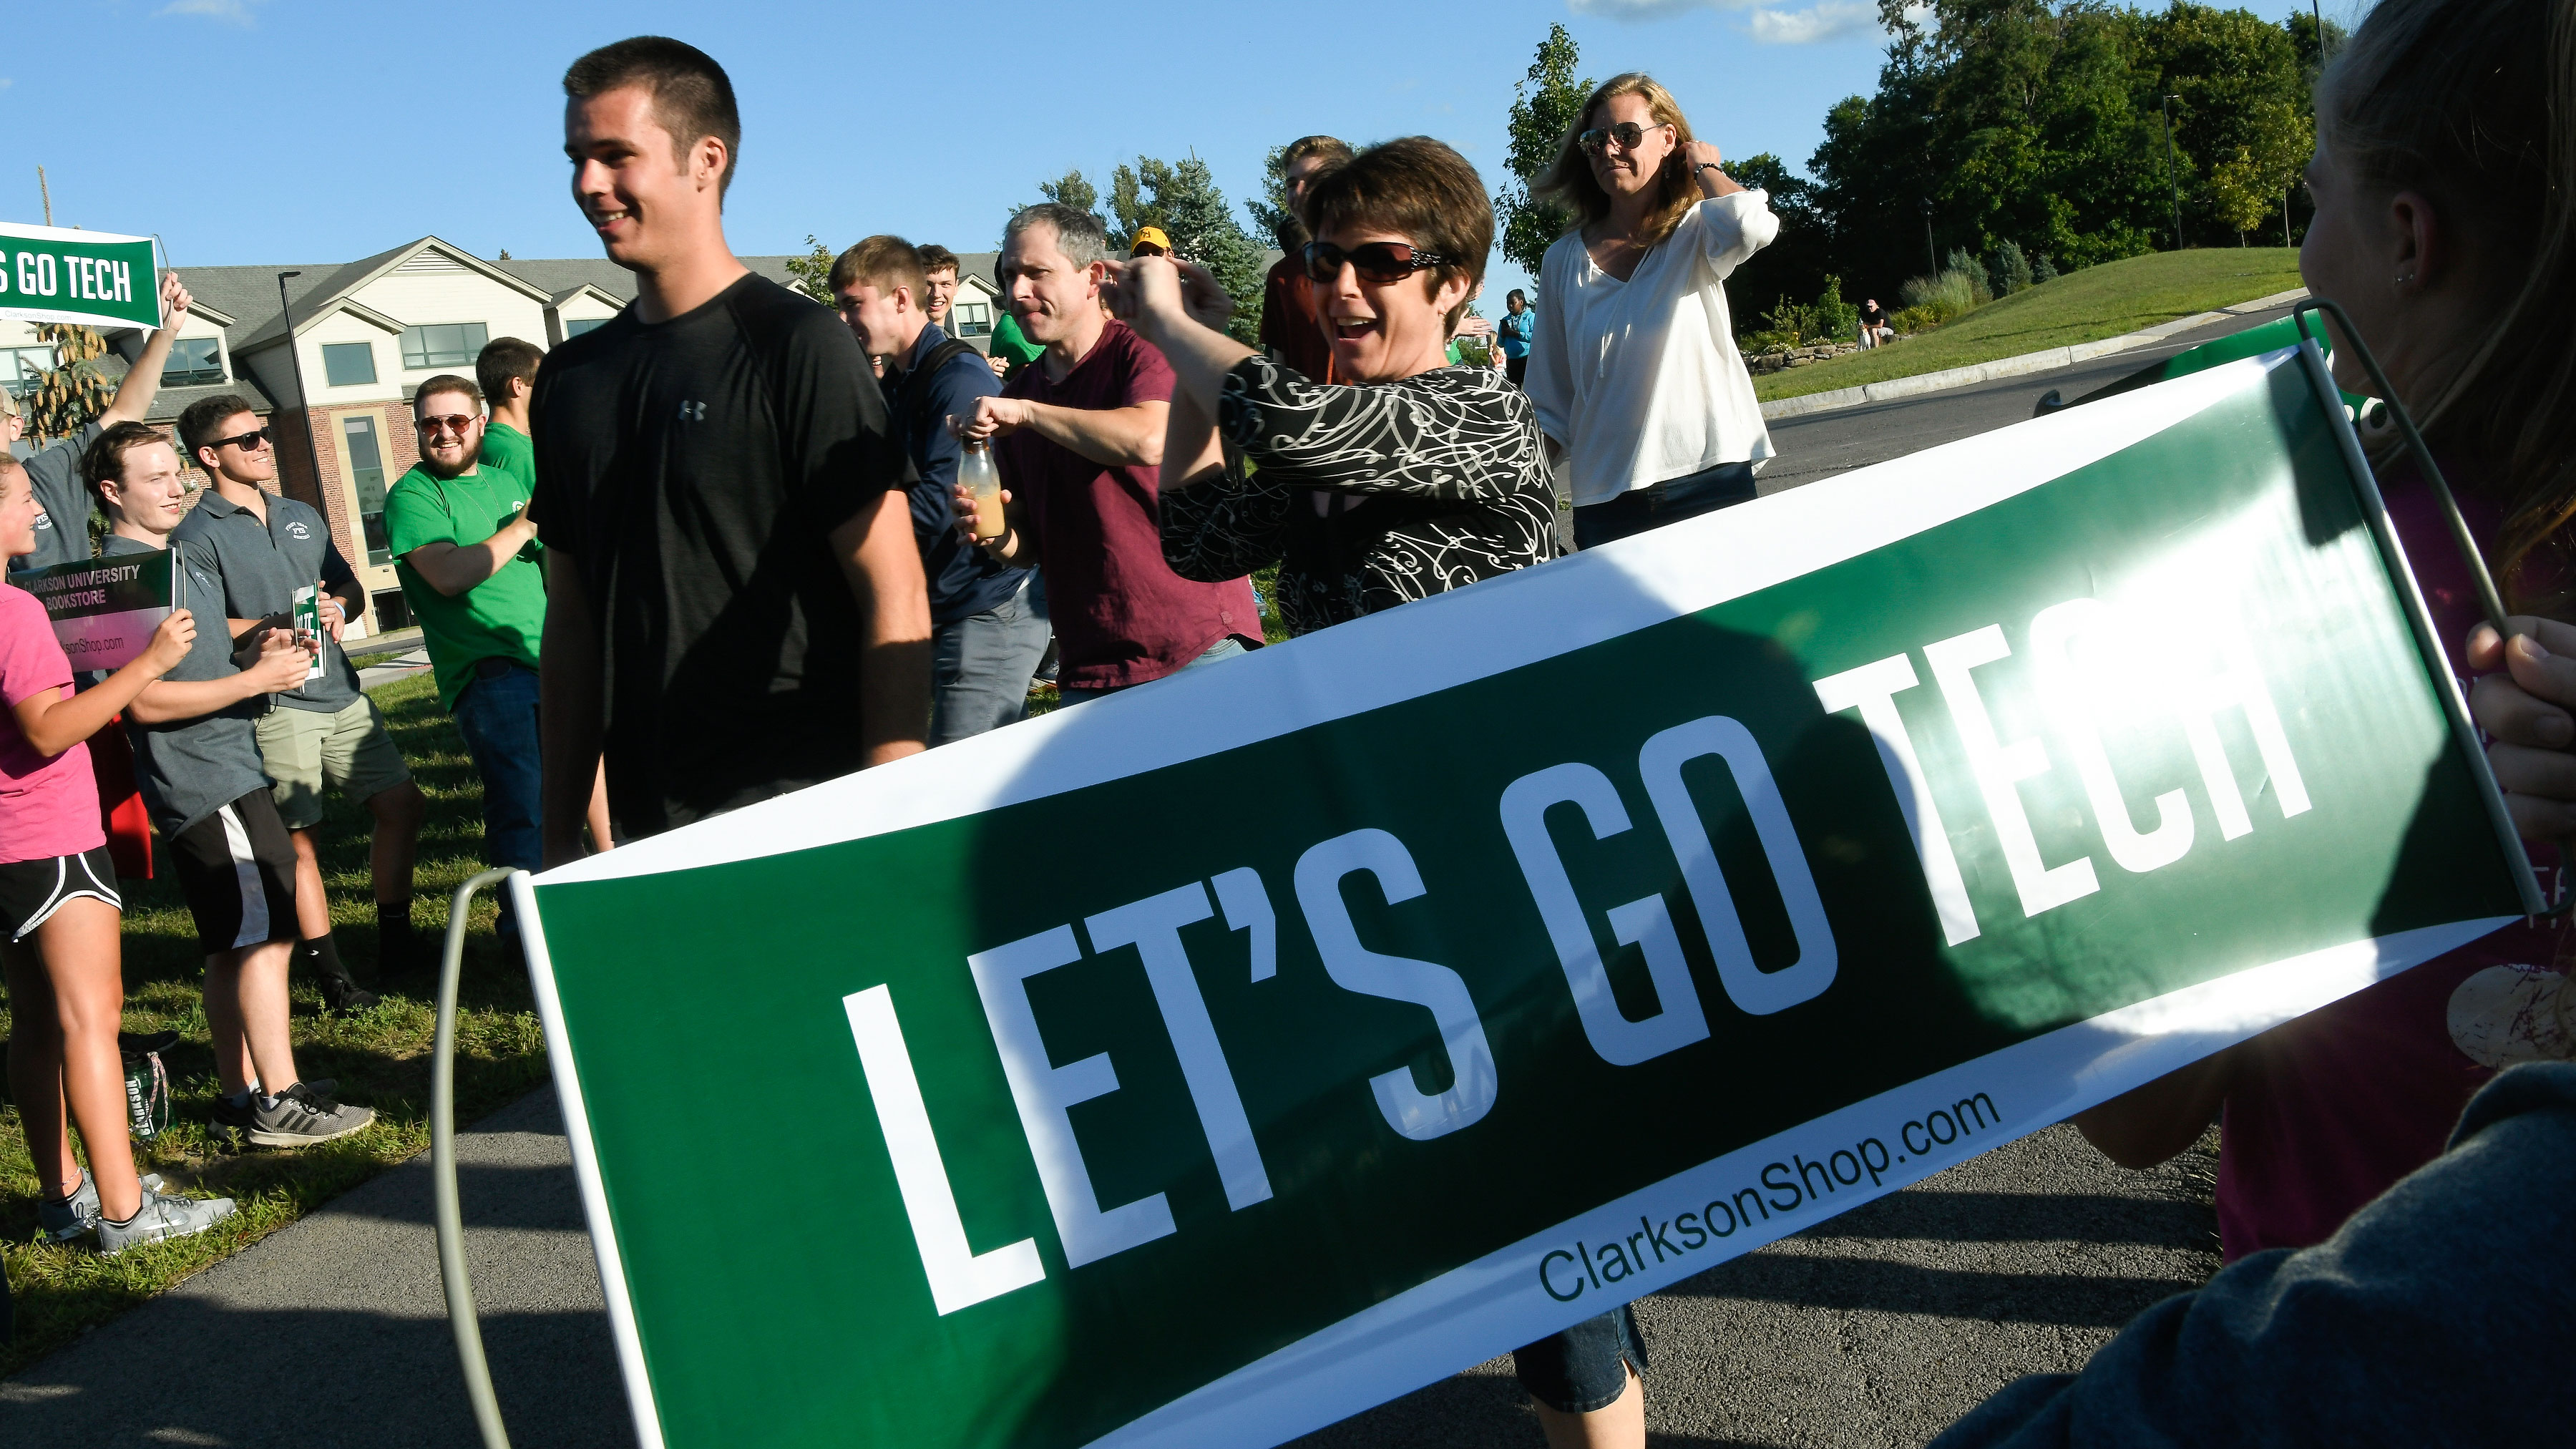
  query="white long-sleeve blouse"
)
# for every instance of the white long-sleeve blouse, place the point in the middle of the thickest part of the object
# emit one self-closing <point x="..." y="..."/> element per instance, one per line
<point x="1640" y="380"/>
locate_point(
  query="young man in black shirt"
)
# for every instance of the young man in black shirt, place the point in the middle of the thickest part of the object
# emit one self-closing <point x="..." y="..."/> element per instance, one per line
<point x="735" y="606"/>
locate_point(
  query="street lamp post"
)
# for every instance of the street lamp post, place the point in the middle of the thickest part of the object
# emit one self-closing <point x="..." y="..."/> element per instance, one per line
<point x="1931" y="258"/>
<point x="2172" y="185"/>
<point x="303" y="401"/>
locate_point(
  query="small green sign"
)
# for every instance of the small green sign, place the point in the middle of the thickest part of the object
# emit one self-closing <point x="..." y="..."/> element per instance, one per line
<point x="1207" y="1063"/>
<point x="104" y="610"/>
<point x="59" y="274"/>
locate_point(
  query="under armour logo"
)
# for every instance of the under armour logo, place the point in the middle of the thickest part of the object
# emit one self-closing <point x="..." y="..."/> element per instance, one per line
<point x="693" y="412"/>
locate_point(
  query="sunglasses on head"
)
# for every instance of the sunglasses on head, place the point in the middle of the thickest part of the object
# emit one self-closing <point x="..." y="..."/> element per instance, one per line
<point x="455" y="423"/>
<point x="250" y="442"/>
<point x="1626" y="133"/>
<point x="1381" y="262"/>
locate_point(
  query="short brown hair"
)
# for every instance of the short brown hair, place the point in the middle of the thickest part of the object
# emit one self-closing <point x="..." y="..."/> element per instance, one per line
<point x="882" y="262"/>
<point x="205" y="418"/>
<point x="692" y="97"/>
<point x="445" y="382"/>
<point x="104" y="462"/>
<point x="936" y="258"/>
<point x="505" y="360"/>
<point x="1331" y="148"/>
<point x="1421" y="188"/>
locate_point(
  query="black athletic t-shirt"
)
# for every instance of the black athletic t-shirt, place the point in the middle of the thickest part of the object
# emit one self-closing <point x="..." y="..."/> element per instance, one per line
<point x="693" y="469"/>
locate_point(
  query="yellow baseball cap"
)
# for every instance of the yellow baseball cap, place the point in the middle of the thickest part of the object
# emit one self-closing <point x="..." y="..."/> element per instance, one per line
<point x="1150" y="236"/>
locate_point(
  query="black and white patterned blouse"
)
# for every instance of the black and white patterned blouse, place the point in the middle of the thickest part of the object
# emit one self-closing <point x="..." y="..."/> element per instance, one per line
<point x="1366" y="496"/>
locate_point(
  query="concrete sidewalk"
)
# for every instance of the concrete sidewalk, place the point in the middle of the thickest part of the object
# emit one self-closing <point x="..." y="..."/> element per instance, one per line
<point x="334" y="1331"/>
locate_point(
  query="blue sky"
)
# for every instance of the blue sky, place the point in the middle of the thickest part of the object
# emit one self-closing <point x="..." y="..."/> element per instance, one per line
<point x="293" y="131"/>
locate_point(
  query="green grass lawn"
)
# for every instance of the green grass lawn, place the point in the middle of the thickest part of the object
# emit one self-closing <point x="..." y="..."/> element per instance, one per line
<point x="2085" y="306"/>
<point x="381" y="1056"/>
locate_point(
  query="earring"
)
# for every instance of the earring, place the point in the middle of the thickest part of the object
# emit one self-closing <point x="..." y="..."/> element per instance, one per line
<point x="2405" y="279"/>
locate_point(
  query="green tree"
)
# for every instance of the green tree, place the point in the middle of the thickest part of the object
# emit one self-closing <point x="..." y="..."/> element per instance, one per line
<point x="70" y="395"/>
<point x="1545" y="108"/>
<point x="1182" y="198"/>
<point x="1269" y="211"/>
<point x="1071" y="189"/>
<point x="811" y="273"/>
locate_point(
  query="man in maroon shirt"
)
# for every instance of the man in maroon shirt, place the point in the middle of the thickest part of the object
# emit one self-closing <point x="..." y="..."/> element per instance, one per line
<point x="1079" y="439"/>
<point x="1289" y="331"/>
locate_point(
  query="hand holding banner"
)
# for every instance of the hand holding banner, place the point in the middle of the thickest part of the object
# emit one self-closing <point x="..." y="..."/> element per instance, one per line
<point x="104" y="610"/>
<point x="1207" y="1063"/>
<point x="61" y="274"/>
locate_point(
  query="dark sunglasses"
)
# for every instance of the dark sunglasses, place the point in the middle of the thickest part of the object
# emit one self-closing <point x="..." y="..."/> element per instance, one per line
<point x="1148" y="249"/>
<point x="1384" y="263"/>
<point x="455" y="423"/>
<point x="250" y="442"/>
<point x="1626" y="133"/>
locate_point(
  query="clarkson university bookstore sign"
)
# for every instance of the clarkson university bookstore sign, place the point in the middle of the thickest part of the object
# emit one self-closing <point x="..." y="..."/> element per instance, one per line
<point x="1210" y="1062"/>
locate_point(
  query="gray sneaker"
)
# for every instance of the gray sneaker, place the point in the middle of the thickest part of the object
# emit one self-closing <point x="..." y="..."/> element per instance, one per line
<point x="79" y="1213"/>
<point x="163" y="1215"/>
<point x="303" y="1117"/>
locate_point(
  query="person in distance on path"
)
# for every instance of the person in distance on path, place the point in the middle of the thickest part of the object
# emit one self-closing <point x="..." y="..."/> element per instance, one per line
<point x="325" y="732"/>
<point x="59" y="914"/>
<point x="197" y="759"/>
<point x="734" y="602"/>
<point x="1402" y="232"/>
<point x="1645" y="402"/>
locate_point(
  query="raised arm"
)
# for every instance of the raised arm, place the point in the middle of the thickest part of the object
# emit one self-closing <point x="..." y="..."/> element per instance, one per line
<point x="143" y="380"/>
<point x="1417" y="441"/>
<point x="1111" y="437"/>
<point x="878" y="557"/>
<point x="54" y="720"/>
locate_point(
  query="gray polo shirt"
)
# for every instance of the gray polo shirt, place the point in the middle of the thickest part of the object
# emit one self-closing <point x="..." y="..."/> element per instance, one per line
<point x="191" y="768"/>
<point x="62" y="534"/>
<point x="261" y="567"/>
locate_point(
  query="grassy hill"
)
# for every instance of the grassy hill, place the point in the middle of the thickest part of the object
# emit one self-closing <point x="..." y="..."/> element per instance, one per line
<point x="2085" y="306"/>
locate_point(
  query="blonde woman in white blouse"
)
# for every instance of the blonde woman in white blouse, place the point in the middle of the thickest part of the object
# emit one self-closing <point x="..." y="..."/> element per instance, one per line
<point x="1644" y="401"/>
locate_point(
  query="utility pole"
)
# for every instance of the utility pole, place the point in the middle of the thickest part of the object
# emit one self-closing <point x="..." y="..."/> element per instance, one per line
<point x="303" y="401"/>
<point x="1931" y="259"/>
<point x="2172" y="184"/>
<point x="46" y="192"/>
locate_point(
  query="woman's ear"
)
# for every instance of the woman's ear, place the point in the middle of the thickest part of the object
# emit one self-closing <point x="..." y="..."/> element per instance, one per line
<point x="2419" y="253"/>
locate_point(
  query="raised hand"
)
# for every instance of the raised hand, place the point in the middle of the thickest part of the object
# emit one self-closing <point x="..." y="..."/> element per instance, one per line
<point x="2528" y="711"/>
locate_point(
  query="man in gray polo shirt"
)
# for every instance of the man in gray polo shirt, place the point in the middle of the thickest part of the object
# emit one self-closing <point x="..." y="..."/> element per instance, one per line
<point x="197" y="759"/>
<point x="267" y="548"/>
<point x="62" y="525"/>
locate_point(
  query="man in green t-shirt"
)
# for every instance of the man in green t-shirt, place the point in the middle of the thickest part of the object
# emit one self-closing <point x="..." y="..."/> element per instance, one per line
<point x="1011" y="347"/>
<point x="507" y="369"/>
<point x="466" y="554"/>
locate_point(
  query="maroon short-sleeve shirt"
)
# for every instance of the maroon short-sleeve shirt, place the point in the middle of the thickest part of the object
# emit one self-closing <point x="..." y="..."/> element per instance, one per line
<point x="1121" y="615"/>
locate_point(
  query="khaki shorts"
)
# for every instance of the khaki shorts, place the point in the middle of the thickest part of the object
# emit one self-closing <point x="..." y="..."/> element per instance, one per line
<point x="305" y="749"/>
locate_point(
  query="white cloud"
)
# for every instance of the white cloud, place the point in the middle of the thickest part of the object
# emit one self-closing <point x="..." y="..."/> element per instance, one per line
<point x="1828" y="20"/>
<point x="231" y="12"/>
<point x="1648" y="9"/>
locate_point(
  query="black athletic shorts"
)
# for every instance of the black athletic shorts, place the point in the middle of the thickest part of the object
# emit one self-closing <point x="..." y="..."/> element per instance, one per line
<point x="237" y="869"/>
<point x="32" y="890"/>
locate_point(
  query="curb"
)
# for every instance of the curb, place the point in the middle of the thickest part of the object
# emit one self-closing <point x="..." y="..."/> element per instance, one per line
<point x="2046" y="361"/>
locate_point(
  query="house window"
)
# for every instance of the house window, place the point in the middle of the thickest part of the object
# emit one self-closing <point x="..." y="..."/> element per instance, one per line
<point x="579" y="326"/>
<point x="367" y="469"/>
<point x="21" y="366"/>
<point x="348" y="364"/>
<point x="974" y="319"/>
<point x="443" y="344"/>
<point x="194" y="362"/>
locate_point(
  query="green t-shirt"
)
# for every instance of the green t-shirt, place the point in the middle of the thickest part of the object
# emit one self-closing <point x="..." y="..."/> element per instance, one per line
<point x="1012" y="345"/>
<point x="508" y="449"/>
<point x="499" y="618"/>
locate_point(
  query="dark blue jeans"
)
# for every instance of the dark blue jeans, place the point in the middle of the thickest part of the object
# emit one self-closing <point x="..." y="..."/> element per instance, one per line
<point x="1670" y="501"/>
<point x="1585" y="1367"/>
<point x="497" y="714"/>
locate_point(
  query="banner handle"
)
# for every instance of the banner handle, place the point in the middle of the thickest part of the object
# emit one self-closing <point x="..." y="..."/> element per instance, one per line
<point x="2490" y="599"/>
<point x="442" y="1168"/>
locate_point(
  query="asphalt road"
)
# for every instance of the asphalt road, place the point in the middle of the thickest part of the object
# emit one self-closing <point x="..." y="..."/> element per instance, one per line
<point x="1878" y="1328"/>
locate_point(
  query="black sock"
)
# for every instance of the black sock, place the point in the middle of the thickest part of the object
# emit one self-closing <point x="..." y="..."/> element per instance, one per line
<point x="322" y="953"/>
<point x="394" y="940"/>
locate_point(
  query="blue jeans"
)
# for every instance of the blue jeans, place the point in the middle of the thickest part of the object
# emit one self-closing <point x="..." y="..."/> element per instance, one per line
<point x="980" y="665"/>
<point x="497" y="714"/>
<point x="1670" y="501"/>
<point x="1225" y="648"/>
<point x="1586" y="1367"/>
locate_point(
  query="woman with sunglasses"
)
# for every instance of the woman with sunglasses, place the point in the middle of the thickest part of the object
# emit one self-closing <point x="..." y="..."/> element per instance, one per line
<point x="1414" y="478"/>
<point x="1408" y="478"/>
<point x="1645" y="402"/>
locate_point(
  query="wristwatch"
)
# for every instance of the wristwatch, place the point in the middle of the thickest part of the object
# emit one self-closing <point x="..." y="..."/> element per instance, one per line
<point x="1709" y="166"/>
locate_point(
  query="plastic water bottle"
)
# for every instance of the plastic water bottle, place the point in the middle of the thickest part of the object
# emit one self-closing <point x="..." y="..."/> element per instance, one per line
<point x="975" y="470"/>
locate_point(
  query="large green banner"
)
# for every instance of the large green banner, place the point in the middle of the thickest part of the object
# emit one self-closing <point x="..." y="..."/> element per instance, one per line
<point x="64" y="274"/>
<point x="1204" y="1064"/>
<point x="104" y="610"/>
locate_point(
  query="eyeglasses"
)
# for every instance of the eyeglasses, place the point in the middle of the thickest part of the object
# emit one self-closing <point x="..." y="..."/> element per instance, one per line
<point x="250" y="442"/>
<point x="455" y="423"/>
<point x="1148" y="249"/>
<point x="1626" y="133"/>
<point x="1384" y="263"/>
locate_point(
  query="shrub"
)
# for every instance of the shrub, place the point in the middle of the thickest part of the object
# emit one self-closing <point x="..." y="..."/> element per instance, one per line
<point x="2012" y="269"/>
<point x="2042" y="269"/>
<point x="1791" y="324"/>
<point x="1980" y="286"/>
<point x="1951" y="294"/>
<point x="1914" y="319"/>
